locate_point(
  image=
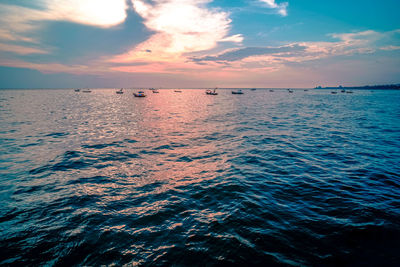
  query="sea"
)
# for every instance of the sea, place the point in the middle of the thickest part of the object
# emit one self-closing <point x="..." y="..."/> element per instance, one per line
<point x="266" y="178"/>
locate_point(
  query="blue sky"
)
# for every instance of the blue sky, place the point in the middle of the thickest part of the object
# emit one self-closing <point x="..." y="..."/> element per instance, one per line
<point x="198" y="43"/>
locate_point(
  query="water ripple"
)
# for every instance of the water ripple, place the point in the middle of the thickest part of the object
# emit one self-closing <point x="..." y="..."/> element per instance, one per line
<point x="190" y="180"/>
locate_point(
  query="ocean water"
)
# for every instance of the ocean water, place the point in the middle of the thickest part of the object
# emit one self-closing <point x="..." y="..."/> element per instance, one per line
<point x="186" y="179"/>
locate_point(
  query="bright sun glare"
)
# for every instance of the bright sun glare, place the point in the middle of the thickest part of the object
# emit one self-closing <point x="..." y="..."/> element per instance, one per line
<point x="93" y="12"/>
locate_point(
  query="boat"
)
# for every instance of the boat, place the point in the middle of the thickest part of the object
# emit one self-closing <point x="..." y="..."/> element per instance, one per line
<point x="349" y="92"/>
<point x="177" y="91"/>
<point x="211" y="92"/>
<point x="343" y="91"/>
<point x="305" y="90"/>
<point x="119" y="91"/>
<point x="253" y="89"/>
<point x="238" y="92"/>
<point x="77" y="90"/>
<point x="290" y="90"/>
<point x="139" y="94"/>
<point x="271" y="90"/>
<point x="155" y="91"/>
<point x="86" y="91"/>
<point x="333" y="92"/>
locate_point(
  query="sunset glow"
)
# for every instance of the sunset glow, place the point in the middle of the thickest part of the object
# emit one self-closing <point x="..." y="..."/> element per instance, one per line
<point x="260" y="43"/>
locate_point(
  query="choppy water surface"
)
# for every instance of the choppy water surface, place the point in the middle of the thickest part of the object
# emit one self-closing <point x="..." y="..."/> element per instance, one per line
<point x="264" y="178"/>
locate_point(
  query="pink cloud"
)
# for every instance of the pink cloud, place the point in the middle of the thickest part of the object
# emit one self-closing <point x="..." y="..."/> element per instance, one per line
<point x="21" y="50"/>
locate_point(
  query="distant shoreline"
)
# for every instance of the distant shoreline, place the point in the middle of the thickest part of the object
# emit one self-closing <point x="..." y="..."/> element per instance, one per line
<point x="365" y="87"/>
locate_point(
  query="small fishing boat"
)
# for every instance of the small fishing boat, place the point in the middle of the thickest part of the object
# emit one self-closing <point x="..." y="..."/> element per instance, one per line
<point x="349" y="92"/>
<point x="155" y="91"/>
<point x="334" y="92"/>
<point x="210" y="92"/>
<point x="139" y="94"/>
<point x="290" y="90"/>
<point x="343" y="91"/>
<point x="271" y="90"/>
<point x="86" y="91"/>
<point x="238" y="92"/>
<point x="253" y="89"/>
<point x="177" y="91"/>
<point x="119" y="91"/>
<point x="305" y="90"/>
<point x="77" y="90"/>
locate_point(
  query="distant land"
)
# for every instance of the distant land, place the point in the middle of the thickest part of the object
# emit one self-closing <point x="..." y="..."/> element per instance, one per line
<point x="365" y="87"/>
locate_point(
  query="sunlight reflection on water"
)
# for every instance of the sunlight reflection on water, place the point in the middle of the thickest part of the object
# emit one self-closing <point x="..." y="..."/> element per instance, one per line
<point x="271" y="178"/>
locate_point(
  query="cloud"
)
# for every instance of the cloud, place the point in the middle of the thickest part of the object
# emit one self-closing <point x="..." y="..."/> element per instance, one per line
<point x="390" y="47"/>
<point x="102" y="13"/>
<point x="186" y="40"/>
<point x="52" y="67"/>
<point x="18" y="23"/>
<point x="281" y="8"/>
<point x="344" y="44"/>
<point x="242" y="53"/>
<point x="347" y="44"/>
<point x="179" y="26"/>
<point x="233" y="63"/>
<point x="21" y="50"/>
<point x="358" y="37"/>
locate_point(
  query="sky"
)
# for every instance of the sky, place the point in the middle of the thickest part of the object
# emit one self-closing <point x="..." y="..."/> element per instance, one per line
<point x="198" y="43"/>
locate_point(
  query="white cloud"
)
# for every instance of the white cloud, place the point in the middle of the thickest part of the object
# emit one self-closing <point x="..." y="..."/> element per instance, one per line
<point x="180" y="26"/>
<point x="281" y="8"/>
<point x="103" y="13"/>
<point x="17" y="22"/>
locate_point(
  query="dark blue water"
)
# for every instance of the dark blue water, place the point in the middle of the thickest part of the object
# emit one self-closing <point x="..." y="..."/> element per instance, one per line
<point x="264" y="178"/>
